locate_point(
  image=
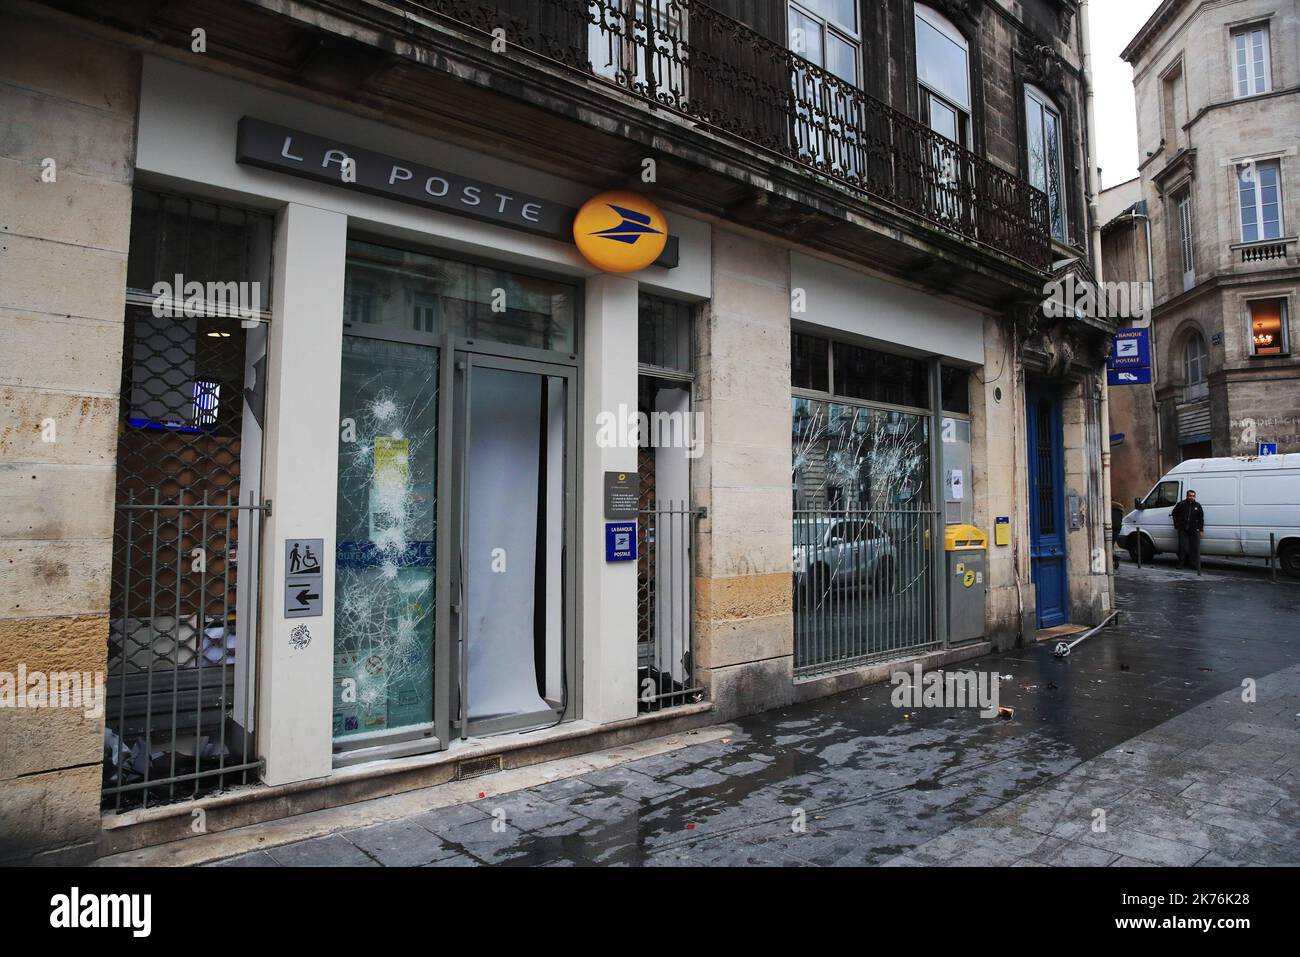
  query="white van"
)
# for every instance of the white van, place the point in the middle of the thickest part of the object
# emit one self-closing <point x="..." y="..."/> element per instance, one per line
<point x="1244" y="499"/>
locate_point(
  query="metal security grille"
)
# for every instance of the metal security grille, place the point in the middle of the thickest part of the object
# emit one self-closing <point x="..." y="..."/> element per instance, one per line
<point x="863" y="586"/>
<point x="178" y="722"/>
<point x="666" y="607"/>
<point x="183" y="602"/>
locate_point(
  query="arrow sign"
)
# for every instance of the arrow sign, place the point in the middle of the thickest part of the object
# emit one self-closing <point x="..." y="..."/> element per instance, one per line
<point x="303" y="578"/>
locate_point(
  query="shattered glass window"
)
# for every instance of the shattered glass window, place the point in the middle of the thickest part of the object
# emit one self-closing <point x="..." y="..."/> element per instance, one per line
<point x="846" y="456"/>
<point x="384" y="584"/>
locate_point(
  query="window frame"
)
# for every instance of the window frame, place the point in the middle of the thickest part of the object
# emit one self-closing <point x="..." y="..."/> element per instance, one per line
<point x="1285" y="315"/>
<point x="840" y="398"/>
<point x="1152" y="499"/>
<point x="1247" y="32"/>
<point x="965" y="114"/>
<point x="689" y="317"/>
<point x="1185" y="218"/>
<point x="852" y="36"/>
<point x="1196" y="389"/>
<point x="1274" y="163"/>
<point x="1046" y="104"/>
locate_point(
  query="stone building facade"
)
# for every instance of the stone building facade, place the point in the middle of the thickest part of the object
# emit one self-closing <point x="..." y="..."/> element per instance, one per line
<point x="1136" y="453"/>
<point x="1218" y="105"/>
<point x="273" y="529"/>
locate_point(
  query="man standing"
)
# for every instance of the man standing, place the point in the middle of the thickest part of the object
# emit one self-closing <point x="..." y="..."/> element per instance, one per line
<point x="1189" y="519"/>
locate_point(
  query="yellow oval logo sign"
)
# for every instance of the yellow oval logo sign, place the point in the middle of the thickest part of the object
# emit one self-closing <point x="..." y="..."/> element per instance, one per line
<point x="620" y="231"/>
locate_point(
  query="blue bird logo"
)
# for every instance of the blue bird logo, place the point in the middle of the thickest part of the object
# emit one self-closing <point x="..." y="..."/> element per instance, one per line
<point x="633" y="226"/>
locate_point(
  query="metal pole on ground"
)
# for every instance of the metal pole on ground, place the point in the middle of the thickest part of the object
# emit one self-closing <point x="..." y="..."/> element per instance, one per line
<point x="1272" y="551"/>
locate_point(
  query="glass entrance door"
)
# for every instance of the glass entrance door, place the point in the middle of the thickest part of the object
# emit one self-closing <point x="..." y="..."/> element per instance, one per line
<point x="455" y="572"/>
<point x="385" y="562"/>
<point x="512" y="582"/>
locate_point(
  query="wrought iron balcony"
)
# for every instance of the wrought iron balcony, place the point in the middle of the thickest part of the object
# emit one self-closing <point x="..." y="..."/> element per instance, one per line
<point x="684" y="56"/>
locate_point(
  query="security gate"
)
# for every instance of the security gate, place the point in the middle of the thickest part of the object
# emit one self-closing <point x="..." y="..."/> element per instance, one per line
<point x="183" y="607"/>
<point x="665" y="673"/>
<point x="863" y="586"/>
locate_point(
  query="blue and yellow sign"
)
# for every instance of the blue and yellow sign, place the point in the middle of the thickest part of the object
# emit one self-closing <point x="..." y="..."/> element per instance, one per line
<point x="620" y="231"/>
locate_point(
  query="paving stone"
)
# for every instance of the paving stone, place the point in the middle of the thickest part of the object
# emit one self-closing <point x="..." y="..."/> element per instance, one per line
<point x="399" y="844"/>
<point x="629" y="781"/>
<point x="255" y="859"/>
<point x="333" y="850"/>
<point x="529" y="812"/>
<point x="1228" y="796"/>
<point x="696" y="778"/>
<point x="489" y="840"/>
<point x="443" y="819"/>
<point x="1058" y="852"/>
<point x="1144" y="847"/>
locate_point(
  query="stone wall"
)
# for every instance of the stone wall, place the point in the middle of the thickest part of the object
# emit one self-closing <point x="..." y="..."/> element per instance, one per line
<point x="745" y="629"/>
<point x="70" y="99"/>
<point x="999" y="481"/>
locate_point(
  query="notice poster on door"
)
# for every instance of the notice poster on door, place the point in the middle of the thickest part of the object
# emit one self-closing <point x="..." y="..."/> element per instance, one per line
<point x="392" y="462"/>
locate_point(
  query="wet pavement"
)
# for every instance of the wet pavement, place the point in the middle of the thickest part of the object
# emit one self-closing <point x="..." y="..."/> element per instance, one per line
<point x="1144" y="722"/>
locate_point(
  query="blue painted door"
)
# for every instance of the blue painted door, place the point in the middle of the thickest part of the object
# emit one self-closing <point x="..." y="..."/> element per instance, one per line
<point x="1046" y="505"/>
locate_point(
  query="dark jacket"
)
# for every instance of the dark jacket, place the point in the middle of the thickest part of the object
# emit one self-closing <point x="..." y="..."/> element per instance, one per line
<point x="1188" y="516"/>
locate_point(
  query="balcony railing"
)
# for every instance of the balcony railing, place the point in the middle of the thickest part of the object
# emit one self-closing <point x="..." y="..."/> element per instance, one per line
<point x="684" y="56"/>
<point x="1264" y="250"/>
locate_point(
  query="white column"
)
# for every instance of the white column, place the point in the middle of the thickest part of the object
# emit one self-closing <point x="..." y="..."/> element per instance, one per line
<point x="295" y="706"/>
<point x="608" y="640"/>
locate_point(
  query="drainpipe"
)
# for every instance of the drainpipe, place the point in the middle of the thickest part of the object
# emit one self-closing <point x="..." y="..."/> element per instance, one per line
<point x="1094" y="243"/>
<point x="1094" y="228"/>
<point x="1151" y="324"/>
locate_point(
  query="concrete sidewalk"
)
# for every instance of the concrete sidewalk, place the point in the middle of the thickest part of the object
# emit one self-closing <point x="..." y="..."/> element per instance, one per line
<point x="1144" y="721"/>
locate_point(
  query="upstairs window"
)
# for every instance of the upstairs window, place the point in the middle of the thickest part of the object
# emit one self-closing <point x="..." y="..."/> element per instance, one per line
<point x="825" y="32"/>
<point x="1259" y="194"/>
<point x="1268" y="327"/>
<point x="1046" y="155"/>
<point x="1186" y="244"/>
<point x="1196" y="368"/>
<point x="1251" y="69"/>
<point x="943" y="74"/>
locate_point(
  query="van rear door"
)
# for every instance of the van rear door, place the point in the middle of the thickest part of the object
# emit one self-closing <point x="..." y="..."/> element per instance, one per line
<point x="1269" y="503"/>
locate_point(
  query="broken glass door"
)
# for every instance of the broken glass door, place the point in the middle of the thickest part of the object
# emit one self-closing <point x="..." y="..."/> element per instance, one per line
<point x="384" y="584"/>
<point x="512" y="584"/>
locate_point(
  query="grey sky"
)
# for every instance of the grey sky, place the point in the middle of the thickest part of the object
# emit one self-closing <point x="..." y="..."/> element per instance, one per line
<point x="1114" y="24"/>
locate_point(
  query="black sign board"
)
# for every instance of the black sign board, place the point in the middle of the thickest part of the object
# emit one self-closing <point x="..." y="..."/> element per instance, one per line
<point x="622" y="495"/>
<point x="285" y="150"/>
